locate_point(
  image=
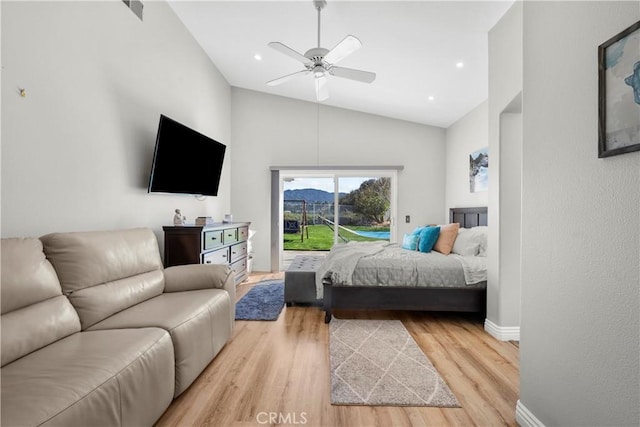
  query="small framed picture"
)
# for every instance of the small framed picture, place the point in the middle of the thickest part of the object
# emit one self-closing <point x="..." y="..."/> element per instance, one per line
<point x="619" y="93"/>
<point x="479" y="170"/>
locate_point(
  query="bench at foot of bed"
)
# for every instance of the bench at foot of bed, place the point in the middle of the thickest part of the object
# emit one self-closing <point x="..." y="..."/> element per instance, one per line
<point x="300" y="280"/>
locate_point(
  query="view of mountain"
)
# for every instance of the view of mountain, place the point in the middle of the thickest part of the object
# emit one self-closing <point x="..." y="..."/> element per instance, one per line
<point x="310" y="195"/>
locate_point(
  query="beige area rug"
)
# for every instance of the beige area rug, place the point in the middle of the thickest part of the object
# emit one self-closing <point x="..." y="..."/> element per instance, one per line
<point x="377" y="362"/>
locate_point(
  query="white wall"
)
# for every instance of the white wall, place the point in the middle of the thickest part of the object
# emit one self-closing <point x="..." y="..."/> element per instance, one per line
<point x="77" y="150"/>
<point x="275" y="131"/>
<point x="579" y="349"/>
<point x="510" y="221"/>
<point x="505" y="86"/>
<point x="465" y="136"/>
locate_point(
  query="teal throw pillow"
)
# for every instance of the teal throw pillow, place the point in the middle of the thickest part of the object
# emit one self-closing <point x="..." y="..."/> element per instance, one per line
<point x="428" y="237"/>
<point x="410" y="242"/>
<point x="417" y="231"/>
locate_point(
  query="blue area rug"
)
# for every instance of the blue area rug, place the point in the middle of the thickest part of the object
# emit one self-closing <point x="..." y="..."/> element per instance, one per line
<point x="263" y="302"/>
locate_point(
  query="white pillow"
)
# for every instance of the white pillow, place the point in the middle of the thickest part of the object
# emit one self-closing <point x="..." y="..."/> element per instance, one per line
<point x="471" y="242"/>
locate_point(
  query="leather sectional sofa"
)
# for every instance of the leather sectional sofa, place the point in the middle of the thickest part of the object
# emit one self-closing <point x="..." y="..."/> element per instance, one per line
<point x="96" y="332"/>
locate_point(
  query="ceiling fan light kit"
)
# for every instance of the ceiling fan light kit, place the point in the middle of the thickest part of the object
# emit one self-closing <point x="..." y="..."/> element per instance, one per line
<point x="320" y="61"/>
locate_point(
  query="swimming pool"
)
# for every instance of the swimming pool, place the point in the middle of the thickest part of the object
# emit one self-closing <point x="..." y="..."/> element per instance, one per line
<point x="382" y="235"/>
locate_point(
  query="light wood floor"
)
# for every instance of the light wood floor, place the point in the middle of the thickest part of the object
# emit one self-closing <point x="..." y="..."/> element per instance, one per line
<point x="279" y="371"/>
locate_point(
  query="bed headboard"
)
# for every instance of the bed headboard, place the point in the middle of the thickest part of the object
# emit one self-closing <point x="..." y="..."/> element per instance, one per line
<point x="468" y="217"/>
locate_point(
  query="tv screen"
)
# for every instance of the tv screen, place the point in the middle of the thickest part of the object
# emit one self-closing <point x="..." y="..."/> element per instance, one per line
<point x="185" y="161"/>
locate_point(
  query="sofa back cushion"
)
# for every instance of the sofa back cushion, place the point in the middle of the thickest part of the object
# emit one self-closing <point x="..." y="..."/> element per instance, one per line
<point x="104" y="272"/>
<point x="34" y="311"/>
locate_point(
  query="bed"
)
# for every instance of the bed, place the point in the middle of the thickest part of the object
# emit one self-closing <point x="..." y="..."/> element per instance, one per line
<point x="453" y="296"/>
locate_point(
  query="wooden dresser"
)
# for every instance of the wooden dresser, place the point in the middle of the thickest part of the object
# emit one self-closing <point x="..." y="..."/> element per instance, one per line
<point x="220" y="243"/>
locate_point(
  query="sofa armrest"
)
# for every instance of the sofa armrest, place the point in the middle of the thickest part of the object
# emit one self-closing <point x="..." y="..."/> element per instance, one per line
<point x="193" y="277"/>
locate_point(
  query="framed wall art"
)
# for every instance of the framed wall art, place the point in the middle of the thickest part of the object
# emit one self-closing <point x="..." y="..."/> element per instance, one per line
<point x="479" y="170"/>
<point x="619" y="93"/>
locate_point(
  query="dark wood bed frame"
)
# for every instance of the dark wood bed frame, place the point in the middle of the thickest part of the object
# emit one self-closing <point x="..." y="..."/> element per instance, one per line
<point x="412" y="298"/>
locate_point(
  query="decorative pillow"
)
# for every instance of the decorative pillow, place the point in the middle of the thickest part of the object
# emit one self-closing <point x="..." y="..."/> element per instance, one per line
<point x="447" y="237"/>
<point x="428" y="237"/>
<point x="410" y="242"/>
<point x="483" y="237"/>
<point x="417" y="231"/>
<point x="464" y="244"/>
<point x="482" y="251"/>
<point x="471" y="241"/>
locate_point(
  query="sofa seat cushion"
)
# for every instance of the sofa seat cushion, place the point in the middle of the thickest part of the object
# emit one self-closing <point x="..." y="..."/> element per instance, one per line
<point x="117" y="377"/>
<point x="198" y="322"/>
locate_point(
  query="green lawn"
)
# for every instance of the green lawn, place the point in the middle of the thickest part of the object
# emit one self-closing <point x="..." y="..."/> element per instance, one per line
<point x="321" y="238"/>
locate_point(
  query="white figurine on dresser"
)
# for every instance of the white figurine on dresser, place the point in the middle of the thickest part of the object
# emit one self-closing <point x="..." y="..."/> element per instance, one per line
<point x="178" y="219"/>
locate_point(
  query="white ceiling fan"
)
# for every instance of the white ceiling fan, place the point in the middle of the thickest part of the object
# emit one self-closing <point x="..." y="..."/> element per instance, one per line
<point x="320" y="61"/>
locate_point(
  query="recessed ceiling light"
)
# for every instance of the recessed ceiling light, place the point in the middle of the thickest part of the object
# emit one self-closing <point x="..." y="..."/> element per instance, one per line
<point x="431" y="98"/>
<point x="460" y="65"/>
<point x="257" y="57"/>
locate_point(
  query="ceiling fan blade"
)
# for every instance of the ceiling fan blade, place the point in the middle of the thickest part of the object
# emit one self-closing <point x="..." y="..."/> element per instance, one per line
<point x="347" y="46"/>
<point x="283" y="79"/>
<point x="350" y="73"/>
<point x="322" y="92"/>
<point x="290" y="52"/>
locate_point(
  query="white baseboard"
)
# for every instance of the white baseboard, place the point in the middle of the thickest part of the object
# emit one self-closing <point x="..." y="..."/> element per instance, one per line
<point x="502" y="333"/>
<point x="525" y="418"/>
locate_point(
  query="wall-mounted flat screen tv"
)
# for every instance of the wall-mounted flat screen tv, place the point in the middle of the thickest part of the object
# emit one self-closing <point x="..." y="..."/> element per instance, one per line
<point x="185" y="161"/>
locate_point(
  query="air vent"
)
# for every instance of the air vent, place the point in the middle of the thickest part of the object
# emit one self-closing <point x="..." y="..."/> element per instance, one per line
<point x="136" y="7"/>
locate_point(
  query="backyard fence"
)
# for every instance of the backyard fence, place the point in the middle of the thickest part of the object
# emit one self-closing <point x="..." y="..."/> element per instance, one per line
<point x="316" y="211"/>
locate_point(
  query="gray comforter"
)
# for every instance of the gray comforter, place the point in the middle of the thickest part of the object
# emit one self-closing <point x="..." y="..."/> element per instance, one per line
<point x="387" y="264"/>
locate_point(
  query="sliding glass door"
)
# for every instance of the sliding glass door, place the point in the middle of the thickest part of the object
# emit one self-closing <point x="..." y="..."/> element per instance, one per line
<point x="320" y="209"/>
<point x="308" y="212"/>
<point x="363" y="208"/>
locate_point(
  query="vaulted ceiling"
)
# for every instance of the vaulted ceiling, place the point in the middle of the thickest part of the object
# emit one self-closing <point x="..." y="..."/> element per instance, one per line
<point x="430" y="57"/>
